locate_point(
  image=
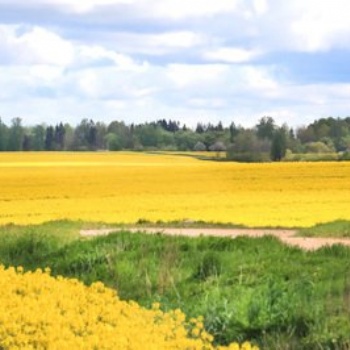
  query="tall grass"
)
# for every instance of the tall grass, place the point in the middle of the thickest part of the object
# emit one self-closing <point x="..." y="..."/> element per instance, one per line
<point x="335" y="229"/>
<point x="30" y="245"/>
<point x="280" y="297"/>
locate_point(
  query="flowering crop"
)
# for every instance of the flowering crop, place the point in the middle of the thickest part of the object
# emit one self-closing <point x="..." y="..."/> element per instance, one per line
<point x="126" y="187"/>
<point x="38" y="311"/>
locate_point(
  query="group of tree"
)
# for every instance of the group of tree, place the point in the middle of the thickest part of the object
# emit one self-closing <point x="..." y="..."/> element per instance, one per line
<point x="264" y="141"/>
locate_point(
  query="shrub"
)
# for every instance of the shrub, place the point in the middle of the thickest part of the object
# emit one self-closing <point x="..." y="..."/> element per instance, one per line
<point x="199" y="147"/>
<point x="345" y="156"/>
<point x="318" y="147"/>
<point x="248" y="157"/>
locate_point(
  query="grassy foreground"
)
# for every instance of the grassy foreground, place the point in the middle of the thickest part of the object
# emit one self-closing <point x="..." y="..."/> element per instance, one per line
<point x="257" y="289"/>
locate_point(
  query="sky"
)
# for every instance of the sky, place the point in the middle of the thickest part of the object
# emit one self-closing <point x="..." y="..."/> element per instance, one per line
<point x="191" y="61"/>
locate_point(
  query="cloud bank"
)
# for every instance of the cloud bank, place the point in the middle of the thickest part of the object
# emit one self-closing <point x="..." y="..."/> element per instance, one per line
<point x="204" y="60"/>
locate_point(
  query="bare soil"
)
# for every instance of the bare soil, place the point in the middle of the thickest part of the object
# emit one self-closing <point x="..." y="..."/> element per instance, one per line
<point x="286" y="236"/>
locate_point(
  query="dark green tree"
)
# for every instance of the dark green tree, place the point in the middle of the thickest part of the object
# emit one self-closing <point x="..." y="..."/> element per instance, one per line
<point x="234" y="131"/>
<point x="113" y="142"/>
<point x="85" y="136"/>
<point x="92" y="136"/>
<point x="27" y="141"/>
<point x="186" y="140"/>
<point x="4" y="132"/>
<point x="101" y="131"/>
<point x="59" y="136"/>
<point x="248" y="147"/>
<point x="149" y="135"/>
<point x="265" y="128"/>
<point x="279" y="145"/>
<point x="306" y="134"/>
<point x="16" y="134"/>
<point x="123" y="132"/>
<point x="50" y="138"/>
<point x="200" y="129"/>
<point x="38" y="138"/>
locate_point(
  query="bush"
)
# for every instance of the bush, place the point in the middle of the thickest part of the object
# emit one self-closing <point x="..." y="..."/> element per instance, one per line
<point x="199" y="147"/>
<point x="218" y="146"/>
<point x="318" y="147"/>
<point x="345" y="156"/>
<point x="248" y="157"/>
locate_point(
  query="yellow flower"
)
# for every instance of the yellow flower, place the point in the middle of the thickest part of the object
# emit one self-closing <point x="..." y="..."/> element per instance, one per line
<point x="57" y="313"/>
<point x="39" y="187"/>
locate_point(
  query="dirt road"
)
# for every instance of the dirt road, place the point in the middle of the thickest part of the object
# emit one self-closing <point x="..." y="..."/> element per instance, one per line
<point x="286" y="236"/>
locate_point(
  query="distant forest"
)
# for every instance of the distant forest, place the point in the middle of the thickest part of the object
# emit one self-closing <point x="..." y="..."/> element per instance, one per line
<point x="329" y="138"/>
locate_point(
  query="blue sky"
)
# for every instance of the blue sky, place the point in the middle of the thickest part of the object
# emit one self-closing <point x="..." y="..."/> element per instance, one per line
<point x="198" y="60"/>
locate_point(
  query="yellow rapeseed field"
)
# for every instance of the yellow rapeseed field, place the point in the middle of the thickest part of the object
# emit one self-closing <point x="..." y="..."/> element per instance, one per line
<point x="127" y="187"/>
<point x="38" y="311"/>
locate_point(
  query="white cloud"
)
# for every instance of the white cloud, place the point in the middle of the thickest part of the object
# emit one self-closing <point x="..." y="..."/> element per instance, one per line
<point x="108" y="83"/>
<point x="88" y="84"/>
<point x="231" y="55"/>
<point x="253" y="9"/>
<point x="207" y="103"/>
<point x="46" y="47"/>
<point x="315" y="25"/>
<point x="322" y="28"/>
<point x="90" y="54"/>
<point x="89" y="5"/>
<point x="177" y="39"/>
<point x="260" y="79"/>
<point x="239" y="93"/>
<point x="78" y="6"/>
<point x="171" y="9"/>
<point x="185" y="75"/>
<point x="43" y="48"/>
<point x="160" y="43"/>
<point x="260" y="7"/>
<point x="36" y="46"/>
<point x="47" y="73"/>
<point x="99" y="71"/>
<point x="181" y="9"/>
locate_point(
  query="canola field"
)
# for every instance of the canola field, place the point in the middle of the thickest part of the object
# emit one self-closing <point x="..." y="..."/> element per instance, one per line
<point x="127" y="187"/>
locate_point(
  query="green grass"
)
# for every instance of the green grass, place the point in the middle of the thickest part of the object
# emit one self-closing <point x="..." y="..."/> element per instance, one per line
<point x="335" y="229"/>
<point x="259" y="289"/>
<point x="312" y="157"/>
<point x="214" y="156"/>
<point x="29" y="245"/>
<point x="186" y="223"/>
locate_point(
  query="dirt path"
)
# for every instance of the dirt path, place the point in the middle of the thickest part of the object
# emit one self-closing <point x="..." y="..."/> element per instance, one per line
<point x="286" y="236"/>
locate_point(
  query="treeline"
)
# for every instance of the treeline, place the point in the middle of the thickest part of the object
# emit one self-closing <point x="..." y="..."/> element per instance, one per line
<point x="266" y="140"/>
